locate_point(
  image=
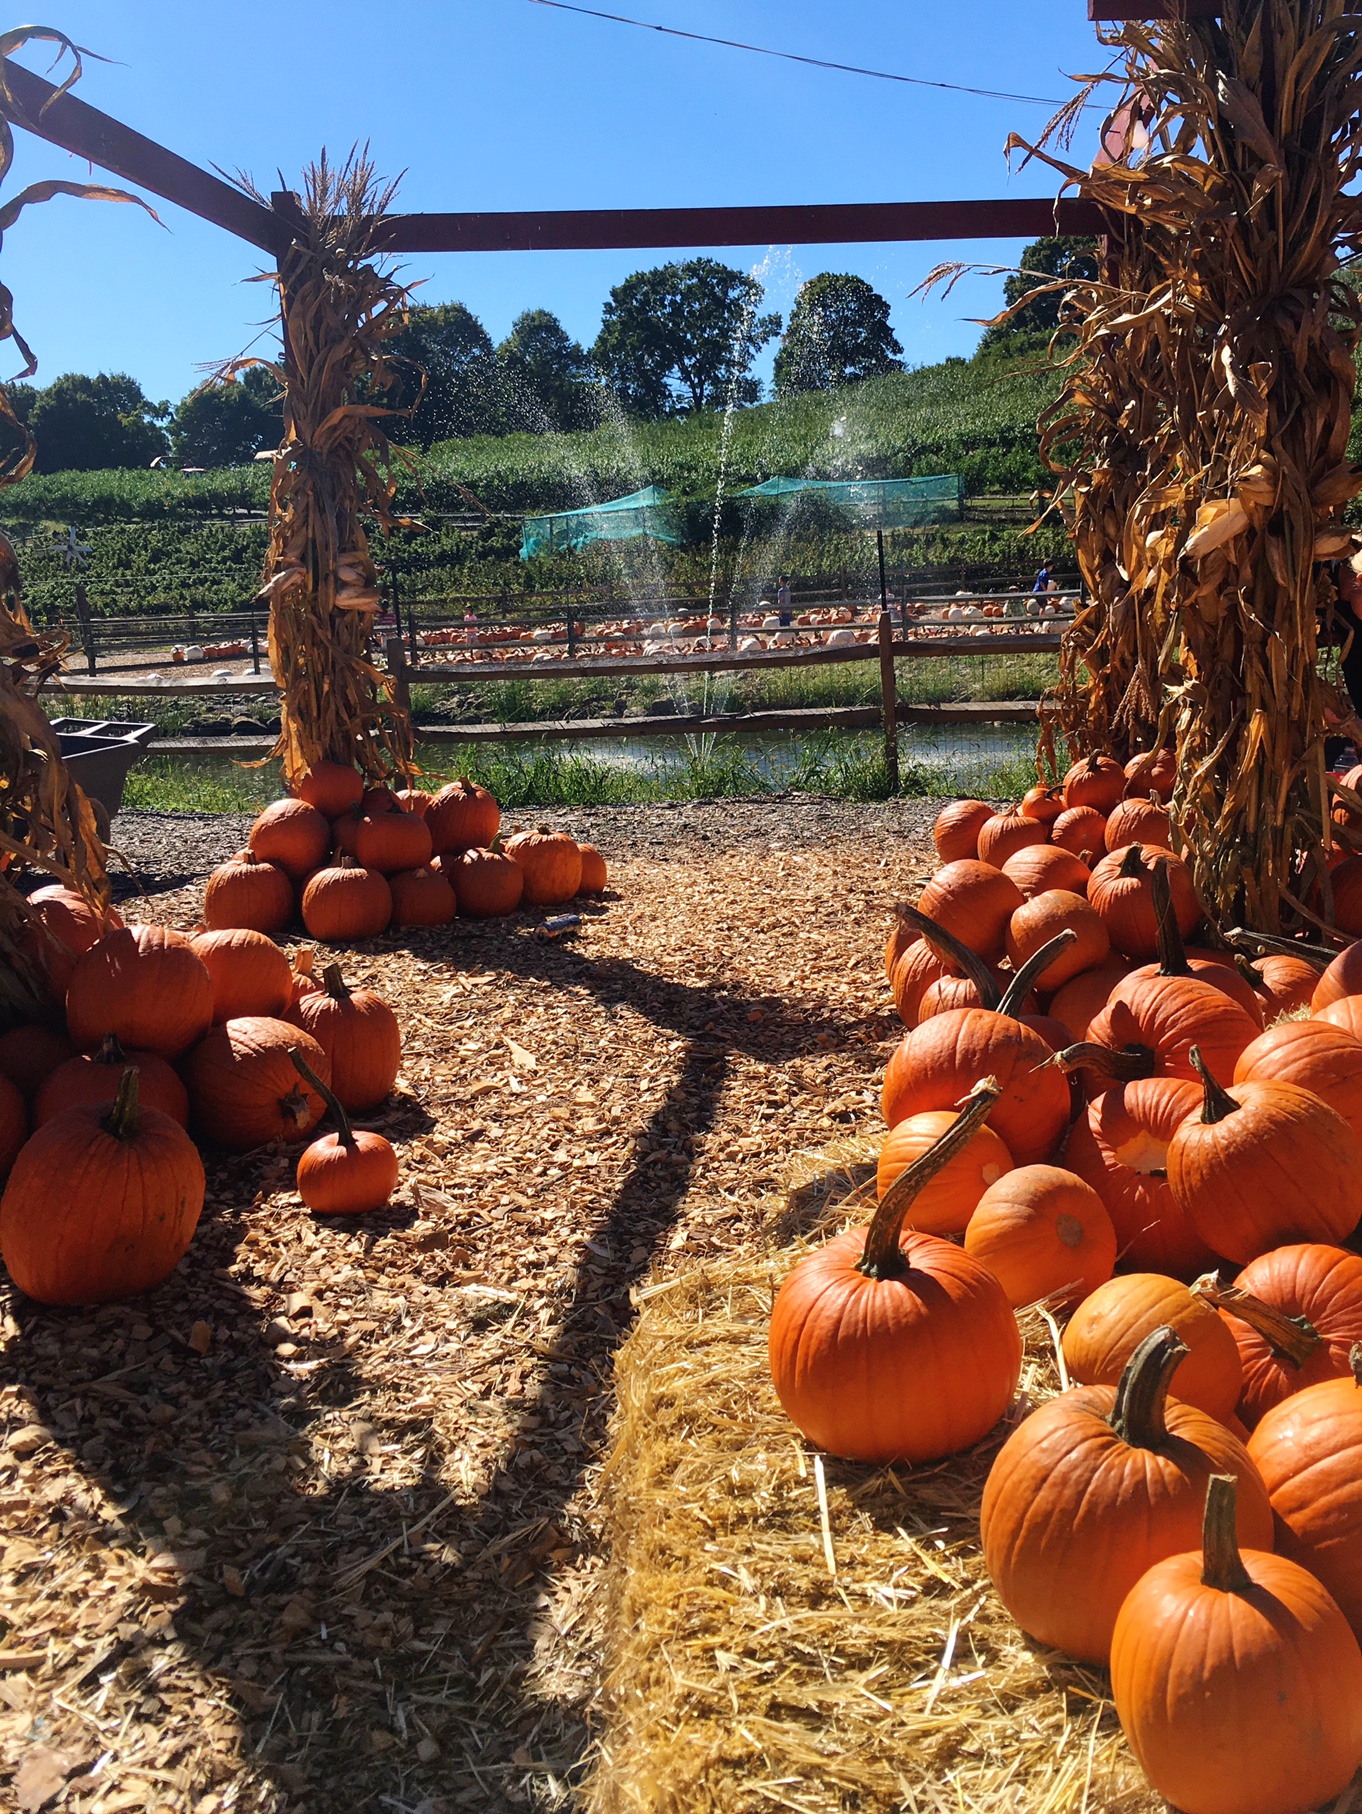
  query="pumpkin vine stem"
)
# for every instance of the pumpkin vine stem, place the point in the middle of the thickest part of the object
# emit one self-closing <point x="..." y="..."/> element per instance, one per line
<point x="1126" y="1065"/>
<point x="1132" y="864"/>
<point x="1172" y="951"/>
<point x="947" y="945"/>
<point x="345" y="1133"/>
<point x="1291" y="1338"/>
<point x="335" y="984"/>
<point x="1137" y="1417"/>
<point x="1222" y="1567"/>
<point x="1217" y="1103"/>
<point x="110" y="1050"/>
<point x="1321" y="956"/>
<point x="882" y="1258"/>
<point x="1036" y="965"/>
<point x="125" y="1114"/>
<point x="1355" y="1362"/>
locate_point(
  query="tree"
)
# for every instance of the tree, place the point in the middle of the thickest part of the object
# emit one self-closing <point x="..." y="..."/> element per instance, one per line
<point x="1069" y="256"/>
<point x="463" y="382"/>
<point x="839" y="333"/>
<point x="85" y="424"/>
<point x="683" y="337"/>
<point x="547" y="378"/>
<point x="227" y="424"/>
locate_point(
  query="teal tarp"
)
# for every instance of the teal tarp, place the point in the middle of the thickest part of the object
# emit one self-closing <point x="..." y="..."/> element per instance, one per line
<point x="877" y="503"/>
<point x="647" y="512"/>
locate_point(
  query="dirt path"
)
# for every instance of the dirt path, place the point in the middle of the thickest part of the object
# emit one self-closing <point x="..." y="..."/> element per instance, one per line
<point x="314" y="1525"/>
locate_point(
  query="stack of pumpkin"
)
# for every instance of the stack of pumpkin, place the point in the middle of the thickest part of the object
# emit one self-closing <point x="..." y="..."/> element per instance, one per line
<point x="352" y="861"/>
<point x="164" y="1035"/>
<point x="1087" y="1114"/>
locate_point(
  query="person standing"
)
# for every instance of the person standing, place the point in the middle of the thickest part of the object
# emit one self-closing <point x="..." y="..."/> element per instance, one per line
<point x="784" y="607"/>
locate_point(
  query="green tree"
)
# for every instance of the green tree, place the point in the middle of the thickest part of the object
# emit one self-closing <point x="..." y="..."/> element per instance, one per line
<point x="838" y="333"/>
<point x="463" y="394"/>
<point x="547" y="378"/>
<point x="89" y="424"/>
<point x="1068" y="256"/>
<point x="227" y="424"/>
<point x="682" y="337"/>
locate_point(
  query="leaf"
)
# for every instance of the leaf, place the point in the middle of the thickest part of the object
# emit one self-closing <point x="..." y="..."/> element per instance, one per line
<point x="520" y="1058"/>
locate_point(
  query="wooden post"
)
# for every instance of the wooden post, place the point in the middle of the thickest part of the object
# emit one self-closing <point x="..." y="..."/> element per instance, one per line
<point x="255" y="641"/>
<point x="889" y="704"/>
<point x="571" y="632"/>
<point x="398" y="670"/>
<point x="87" y="628"/>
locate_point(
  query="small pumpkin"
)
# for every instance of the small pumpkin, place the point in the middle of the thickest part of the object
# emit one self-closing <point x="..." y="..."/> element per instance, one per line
<point x="1076" y="1004"/>
<point x="1082" y="831"/>
<point x="1097" y="1486"/>
<point x="422" y="897"/>
<point x="1175" y="959"/>
<point x="487" y="883"/>
<point x="1109" y="1325"/>
<point x="13" y="1124"/>
<point x="92" y="1081"/>
<point x="331" y="787"/>
<point x="1038" y="920"/>
<point x="1342" y="977"/>
<point x="1039" y="867"/>
<point x="1151" y="775"/>
<point x="1043" y="803"/>
<point x="30" y="1054"/>
<point x="345" y="902"/>
<point x="1295" y="1314"/>
<point x="1314" y="1054"/>
<point x="1236" y="1678"/>
<point x="243" y="1088"/>
<point x="1346" y="884"/>
<point x="1345" y="1013"/>
<point x="956" y="831"/>
<point x="1138" y="822"/>
<point x="552" y="864"/>
<point x="1095" y="781"/>
<point x="594" y="878"/>
<point x="249" y="893"/>
<point x="347" y="1173"/>
<point x="392" y="841"/>
<point x="1122" y="891"/>
<point x="1004" y="833"/>
<point x="944" y="1202"/>
<point x="292" y="834"/>
<point x="1044" y="1235"/>
<point x="463" y="816"/>
<point x="414" y="800"/>
<point x="1150" y="1026"/>
<point x="359" y="1033"/>
<point x="974" y="901"/>
<point x="147" y="985"/>
<point x="890" y="1347"/>
<point x="250" y="973"/>
<point x="1285" y="983"/>
<point x="102" y="1202"/>
<point x="67" y="927"/>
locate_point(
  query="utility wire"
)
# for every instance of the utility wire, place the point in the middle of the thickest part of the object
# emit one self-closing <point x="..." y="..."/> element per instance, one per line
<point x="789" y="56"/>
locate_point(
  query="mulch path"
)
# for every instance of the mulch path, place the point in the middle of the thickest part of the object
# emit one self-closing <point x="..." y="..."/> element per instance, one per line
<point x="314" y="1526"/>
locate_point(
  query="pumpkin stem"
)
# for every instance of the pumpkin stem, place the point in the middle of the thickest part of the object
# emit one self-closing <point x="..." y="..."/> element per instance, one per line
<point x="1222" y="1566"/>
<point x="110" y="1051"/>
<point x="968" y="962"/>
<point x="1124" y="1066"/>
<point x="1172" y="951"/>
<point x="1291" y="1338"/>
<point x="1217" y="1104"/>
<point x="1132" y="864"/>
<point x="1038" y="962"/>
<point x="333" y="1102"/>
<point x="882" y="1258"/>
<point x="1355" y="1362"/>
<point x="1319" y="955"/>
<point x="335" y="983"/>
<point x="125" y="1115"/>
<point x="1137" y="1416"/>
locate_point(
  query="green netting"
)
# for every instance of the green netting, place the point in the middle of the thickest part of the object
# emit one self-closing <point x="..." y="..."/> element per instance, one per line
<point x="647" y="512"/>
<point x="877" y="503"/>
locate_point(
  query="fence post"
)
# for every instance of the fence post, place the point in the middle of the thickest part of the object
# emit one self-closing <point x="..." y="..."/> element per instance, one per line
<point x="397" y="669"/>
<point x="889" y="705"/>
<point x="87" y="628"/>
<point x="733" y="617"/>
<point x="879" y="550"/>
<point x="571" y="632"/>
<point x="255" y="642"/>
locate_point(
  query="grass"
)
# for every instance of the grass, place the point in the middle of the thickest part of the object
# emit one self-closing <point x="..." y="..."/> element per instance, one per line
<point x="181" y="784"/>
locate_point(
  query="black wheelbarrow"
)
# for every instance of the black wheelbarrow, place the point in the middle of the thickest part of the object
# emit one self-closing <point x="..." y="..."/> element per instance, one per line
<point x="99" y="752"/>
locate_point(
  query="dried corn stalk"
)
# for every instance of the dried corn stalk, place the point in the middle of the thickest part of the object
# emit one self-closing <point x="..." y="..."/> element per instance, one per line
<point x="1227" y="360"/>
<point x="339" y="307"/>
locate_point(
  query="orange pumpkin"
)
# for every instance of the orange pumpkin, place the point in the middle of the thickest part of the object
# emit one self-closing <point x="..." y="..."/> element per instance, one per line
<point x="463" y="816"/>
<point x="1138" y="822"/>
<point x="552" y="864"/>
<point x="1044" y="804"/>
<point x="1296" y="1315"/>
<point x="392" y="841"/>
<point x="249" y="893"/>
<point x="956" y="831"/>
<point x="1004" y="833"/>
<point x="250" y="973"/>
<point x="347" y="1173"/>
<point x="1097" y="1486"/>
<point x="946" y="1201"/>
<point x="1345" y="1013"/>
<point x="976" y="990"/>
<point x="1342" y="977"/>
<point x="1094" y="781"/>
<point x="92" y="1081"/>
<point x="68" y="927"/>
<point x="1314" y="1054"/>
<point x="1151" y="1023"/>
<point x="346" y="902"/>
<point x="916" y="970"/>
<point x="422" y="897"/>
<point x="593" y="870"/>
<point x="1085" y="995"/>
<point x="359" y="1033"/>
<point x="1044" y="1235"/>
<point x="29" y="1055"/>
<point x="1236" y="1678"/>
<point x="1285" y="983"/>
<point x="147" y="985"/>
<point x="1346" y="883"/>
<point x="331" y="787"/>
<point x="13" y="1124"/>
<point x="1175" y="959"/>
<point x="1081" y="830"/>
<point x="414" y="800"/>
<point x="102" y="1202"/>
<point x="1039" y="867"/>
<point x="1151" y="775"/>
<point x="243" y="1088"/>
<point x="891" y="1347"/>
<point x="974" y="901"/>
<point x="1038" y="920"/>
<point x="487" y="883"/>
<point x="1121" y="890"/>
<point x="292" y="834"/>
<point x="1108" y="1326"/>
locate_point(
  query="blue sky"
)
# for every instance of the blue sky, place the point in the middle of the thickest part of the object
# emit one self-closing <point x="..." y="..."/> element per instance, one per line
<point x="492" y="104"/>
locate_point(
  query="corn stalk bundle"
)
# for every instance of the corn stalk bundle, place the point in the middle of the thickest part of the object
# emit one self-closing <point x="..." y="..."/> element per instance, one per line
<point x="339" y="307"/>
<point x="1231" y="360"/>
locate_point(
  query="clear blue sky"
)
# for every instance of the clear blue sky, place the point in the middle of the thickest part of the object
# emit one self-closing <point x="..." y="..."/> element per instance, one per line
<point x="505" y="104"/>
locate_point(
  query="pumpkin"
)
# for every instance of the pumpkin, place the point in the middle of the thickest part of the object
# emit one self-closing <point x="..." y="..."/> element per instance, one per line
<point x="1151" y="1024"/>
<point x="893" y="1347"/>
<point x="1085" y="995"/>
<point x="292" y="834"/>
<point x="974" y="902"/>
<point x="1038" y="920"/>
<point x="147" y="984"/>
<point x="1296" y="1314"/>
<point x="593" y="870"/>
<point x="1138" y="822"/>
<point x="302" y="981"/>
<point x="1005" y="833"/>
<point x="243" y="1088"/>
<point x="248" y="893"/>
<point x="92" y="1080"/>
<point x="68" y="927"/>
<point x="976" y="990"/>
<point x="1082" y="831"/>
<point x="346" y="1173"/>
<point x="1314" y="1054"/>
<point x="377" y="799"/>
<point x="1345" y="1013"/>
<point x="1119" y="1145"/>
<point x="1097" y="1486"/>
<point x="345" y="832"/>
<point x="552" y="864"/>
<point x="102" y="1202"/>
<point x="414" y="800"/>
<point x="1213" y="967"/>
<point x="1285" y="983"/>
<point x="346" y="902"/>
<point x="250" y="973"/>
<point x="359" y="1033"/>
<point x="1262" y="1165"/>
<point x="1094" y="781"/>
<point x="956" y="831"/>
<point x="463" y="816"/>
<point x="1122" y="891"/>
<point x="422" y="897"/>
<point x="13" y="1124"/>
<point x="1039" y="867"/>
<point x="29" y="1055"/>
<point x="1236" y="1678"/>
<point x="1346" y="883"/>
<point x="1044" y="804"/>
<point x="902" y="937"/>
<point x="916" y="970"/>
<point x="1109" y="1325"/>
<point x="946" y="1201"/>
<point x="331" y="787"/>
<point x="1043" y="1234"/>
<point x="487" y="883"/>
<point x="392" y="841"/>
<point x="1342" y="977"/>
<point x="1151" y="775"/>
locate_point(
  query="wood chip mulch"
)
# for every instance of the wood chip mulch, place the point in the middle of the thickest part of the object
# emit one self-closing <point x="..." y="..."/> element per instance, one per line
<point x="314" y="1526"/>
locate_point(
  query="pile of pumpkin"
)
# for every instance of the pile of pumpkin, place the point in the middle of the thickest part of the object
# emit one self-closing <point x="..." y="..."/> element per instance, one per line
<point x="352" y="861"/>
<point x="168" y="1040"/>
<point x="1089" y="1129"/>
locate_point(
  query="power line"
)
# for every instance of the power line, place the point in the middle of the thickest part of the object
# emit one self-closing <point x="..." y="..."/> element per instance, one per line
<point x="789" y="56"/>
